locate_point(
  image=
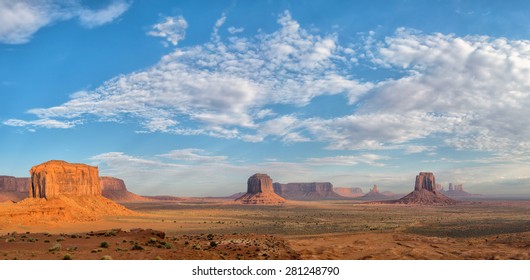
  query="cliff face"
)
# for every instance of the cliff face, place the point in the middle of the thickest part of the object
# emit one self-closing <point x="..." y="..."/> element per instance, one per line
<point x="425" y="180"/>
<point x="13" y="184"/>
<point x="55" y="178"/>
<point x="306" y="191"/>
<point x="260" y="191"/>
<point x="115" y="189"/>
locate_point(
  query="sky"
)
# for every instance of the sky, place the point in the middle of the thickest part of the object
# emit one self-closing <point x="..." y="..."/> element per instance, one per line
<point x="190" y="98"/>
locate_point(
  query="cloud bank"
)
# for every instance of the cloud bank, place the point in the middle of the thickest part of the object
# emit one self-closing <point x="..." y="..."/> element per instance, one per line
<point x="462" y="92"/>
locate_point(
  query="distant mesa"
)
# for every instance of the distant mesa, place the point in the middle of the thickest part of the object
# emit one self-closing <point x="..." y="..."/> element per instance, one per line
<point x="306" y="191"/>
<point x="374" y="194"/>
<point x="260" y="191"/>
<point x="457" y="191"/>
<point x="425" y="192"/>
<point x="13" y="189"/>
<point x="115" y="189"/>
<point x="349" y="192"/>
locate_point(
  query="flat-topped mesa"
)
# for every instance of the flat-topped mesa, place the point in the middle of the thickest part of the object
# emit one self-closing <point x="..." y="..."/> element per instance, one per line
<point x="260" y="191"/>
<point x="425" y="181"/>
<point x="111" y="184"/>
<point x="13" y="184"/>
<point x="306" y="191"/>
<point x="59" y="178"/>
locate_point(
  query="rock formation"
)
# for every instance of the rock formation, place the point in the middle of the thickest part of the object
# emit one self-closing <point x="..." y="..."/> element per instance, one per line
<point x="374" y="194"/>
<point x="306" y="191"/>
<point x="115" y="189"/>
<point x="55" y="178"/>
<point x="349" y="192"/>
<point x="14" y="189"/>
<point x="425" y="192"/>
<point x="457" y="190"/>
<point x="260" y="191"/>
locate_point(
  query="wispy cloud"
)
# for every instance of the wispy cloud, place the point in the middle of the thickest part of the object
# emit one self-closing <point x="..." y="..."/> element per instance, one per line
<point x="19" y="20"/>
<point x="172" y="29"/>
<point x="463" y="92"/>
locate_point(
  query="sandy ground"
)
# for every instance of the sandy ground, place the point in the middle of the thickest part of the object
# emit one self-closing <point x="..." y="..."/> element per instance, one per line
<point x="305" y="230"/>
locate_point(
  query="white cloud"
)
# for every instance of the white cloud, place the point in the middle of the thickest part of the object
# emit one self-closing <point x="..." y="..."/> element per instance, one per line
<point x="193" y="155"/>
<point x="172" y="29"/>
<point x="93" y="18"/>
<point x="219" y="88"/>
<point x="234" y="30"/>
<point x="19" y="20"/>
<point x="45" y="123"/>
<point x="370" y="159"/>
<point x="464" y="92"/>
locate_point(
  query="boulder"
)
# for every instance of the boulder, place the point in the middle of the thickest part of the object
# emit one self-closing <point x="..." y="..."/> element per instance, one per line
<point x="59" y="178"/>
<point x="306" y="191"/>
<point x="260" y="191"/>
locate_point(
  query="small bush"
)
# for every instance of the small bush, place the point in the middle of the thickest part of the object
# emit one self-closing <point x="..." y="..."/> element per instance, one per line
<point x="67" y="257"/>
<point x="106" y="258"/>
<point x="46" y="241"/>
<point x="137" y="247"/>
<point x="213" y="244"/>
<point x="168" y="246"/>
<point x="59" y="239"/>
<point x="104" y="244"/>
<point x="10" y="239"/>
<point x="209" y="236"/>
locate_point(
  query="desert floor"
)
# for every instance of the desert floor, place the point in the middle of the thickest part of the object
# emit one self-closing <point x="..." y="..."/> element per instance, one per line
<point x="215" y="229"/>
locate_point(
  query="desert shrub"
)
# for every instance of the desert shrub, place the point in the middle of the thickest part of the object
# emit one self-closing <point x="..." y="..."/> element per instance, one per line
<point x="56" y="247"/>
<point x="46" y="241"/>
<point x="168" y="246"/>
<point x="158" y="258"/>
<point x="209" y="236"/>
<point x="10" y="239"/>
<point x="59" y="239"/>
<point x="137" y="247"/>
<point x="213" y="244"/>
<point x="106" y="258"/>
<point x="67" y="257"/>
<point x="104" y="244"/>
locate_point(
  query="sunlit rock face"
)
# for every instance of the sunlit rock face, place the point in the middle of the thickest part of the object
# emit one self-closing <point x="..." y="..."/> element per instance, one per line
<point x="59" y="178"/>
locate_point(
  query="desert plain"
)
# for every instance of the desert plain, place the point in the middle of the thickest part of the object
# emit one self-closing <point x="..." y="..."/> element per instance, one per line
<point x="202" y="228"/>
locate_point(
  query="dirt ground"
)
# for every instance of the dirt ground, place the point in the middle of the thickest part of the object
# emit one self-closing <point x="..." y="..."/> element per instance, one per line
<point x="215" y="229"/>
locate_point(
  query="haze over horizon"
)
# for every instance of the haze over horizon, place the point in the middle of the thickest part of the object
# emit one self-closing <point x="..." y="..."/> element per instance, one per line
<point x="190" y="98"/>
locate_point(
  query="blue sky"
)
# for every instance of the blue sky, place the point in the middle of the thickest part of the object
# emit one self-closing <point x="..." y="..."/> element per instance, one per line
<point x="192" y="97"/>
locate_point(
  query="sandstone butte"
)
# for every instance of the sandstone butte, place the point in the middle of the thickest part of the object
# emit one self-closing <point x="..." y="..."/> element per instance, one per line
<point x="260" y="191"/>
<point x="425" y="192"/>
<point x="55" y="178"/>
<point x="306" y="191"/>
<point x="62" y="192"/>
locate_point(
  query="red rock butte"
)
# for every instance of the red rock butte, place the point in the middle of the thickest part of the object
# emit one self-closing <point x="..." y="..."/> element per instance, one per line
<point x="56" y="177"/>
<point x="425" y="192"/>
<point x="260" y="191"/>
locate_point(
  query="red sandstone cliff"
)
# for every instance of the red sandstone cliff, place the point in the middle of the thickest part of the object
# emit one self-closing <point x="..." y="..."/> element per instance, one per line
<point x="260" y="191"/>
